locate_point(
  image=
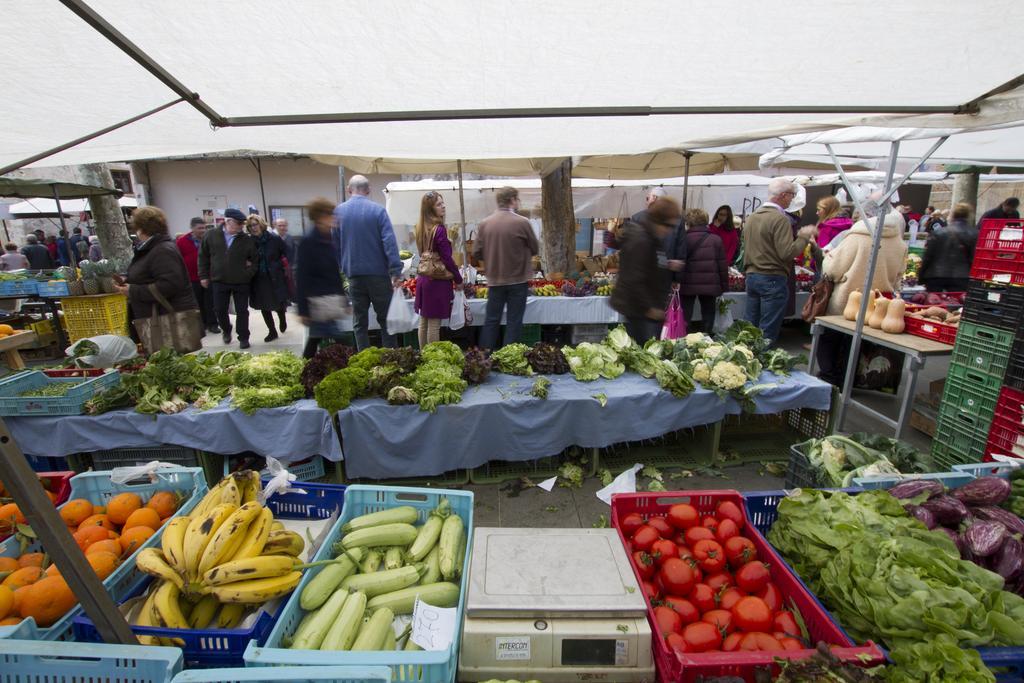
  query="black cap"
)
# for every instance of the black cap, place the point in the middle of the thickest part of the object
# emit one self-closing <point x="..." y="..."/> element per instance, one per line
<point x="196" y="221"/>
<point x="235" y="214"/>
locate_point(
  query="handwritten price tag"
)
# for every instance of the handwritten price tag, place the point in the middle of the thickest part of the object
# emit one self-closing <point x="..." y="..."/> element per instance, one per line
<point x="433" y="628"/>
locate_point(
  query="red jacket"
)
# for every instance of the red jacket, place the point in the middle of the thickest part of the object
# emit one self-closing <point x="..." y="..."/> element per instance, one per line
<point x="190" y="253"/>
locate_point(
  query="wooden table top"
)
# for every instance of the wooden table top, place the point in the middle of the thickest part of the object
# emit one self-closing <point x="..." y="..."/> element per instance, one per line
<point x="906" y="343"/>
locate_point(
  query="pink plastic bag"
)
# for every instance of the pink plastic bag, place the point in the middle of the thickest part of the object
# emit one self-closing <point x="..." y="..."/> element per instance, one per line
<point x="675" y="324"/>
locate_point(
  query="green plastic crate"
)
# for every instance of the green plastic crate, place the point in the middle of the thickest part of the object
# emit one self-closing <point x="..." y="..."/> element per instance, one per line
<point x="986" y="349"/>
<point x="960" y="437"/>
<point x="971" y="390"/>
<point x="448" y="479"/>
<point x="530" y="335"/>
<point x="766" y="438"/>
<point x="497" y="471"/>
<point x="686" y="448"/>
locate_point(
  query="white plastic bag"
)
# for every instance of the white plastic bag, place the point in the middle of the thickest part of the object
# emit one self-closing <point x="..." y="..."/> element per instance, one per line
<point x="401" y="317"/>
<point x="123" y="475"/>
<point x="280" y="480"/>
<point x="624" y="483"/>
<point x="112" y="350"/>
<point x="458" y="318"/>
<point x="723" y="321"/>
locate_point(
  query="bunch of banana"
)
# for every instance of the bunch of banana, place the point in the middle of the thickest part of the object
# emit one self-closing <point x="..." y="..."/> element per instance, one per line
<point x="226" y="556"/>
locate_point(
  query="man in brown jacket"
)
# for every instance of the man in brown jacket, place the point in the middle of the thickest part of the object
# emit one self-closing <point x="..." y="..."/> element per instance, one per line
<point x="507" y="245"/>
<point x="769" y="250"/>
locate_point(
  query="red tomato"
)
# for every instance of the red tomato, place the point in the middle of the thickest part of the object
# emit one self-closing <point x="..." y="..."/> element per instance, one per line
<point x="729" y="510"/>
<point x="752" y="614"/>
<point x="753" y="576"/>
<point x="709" y="522"/>
<point x="698" y="533"/>
<point x="644" y="564"/>
<point x="702" y="637"/>
<point x="668" y="620"/>
<point x="785" y="621"/>
<point x="650" y="591"/>
<point x="719" y="581"/>
<point x="676" y="577"/>
<point x="760" y="642"/>
<point x="645" y="537"/>
<point x="722" y="619"/>
<point x="739" y="550"/>
<point x="729" y="597"/>
<point x="732" y="642"/>
<point x="703" y="597"/>
<point x="630" y="523"/>
<point x="771" y="595"/>
<point x="663" y="527"/>
<point x="684" y="551"/>
<point x="676" y="642"/>
<point x="687" y="611"/>
<point x="710" y="556"/>
<point x="683" y="516"/>
<point x="726" y="529"/>
<point x="789" y="643"/>
<point x="664" y="549"/>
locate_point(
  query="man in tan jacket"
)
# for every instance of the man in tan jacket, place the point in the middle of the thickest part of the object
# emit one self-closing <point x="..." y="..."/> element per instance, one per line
<point x="507" y="245"/>
<point x="769" y="250"/>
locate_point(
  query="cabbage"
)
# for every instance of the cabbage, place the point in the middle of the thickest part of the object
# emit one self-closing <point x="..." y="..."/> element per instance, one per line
<point x="590" y="361"/>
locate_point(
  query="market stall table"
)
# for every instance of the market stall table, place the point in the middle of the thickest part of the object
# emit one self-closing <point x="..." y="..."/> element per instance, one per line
<point x="9" y="348"/>
<point x="916" y="349"/>
<point x="500" y="420"/>
<point x="289" y="433"/>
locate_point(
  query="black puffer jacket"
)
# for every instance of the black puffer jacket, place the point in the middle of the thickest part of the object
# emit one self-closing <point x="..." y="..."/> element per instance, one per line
<point x="158" y="262"/>
<point x="706" y="272"/>
<point x="948" y="253"/>
<point x="644" y="279"/>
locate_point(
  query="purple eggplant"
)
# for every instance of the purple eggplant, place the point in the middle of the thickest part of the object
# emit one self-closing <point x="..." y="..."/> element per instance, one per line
<point x="987" y="490"/>
<point x="1013" y="523"/>
<point x="953" y="536"/>
<point x="947" y="510"/>
<point x="984" y="538"/>
<point x="924" y="516"/>
<point x="915" y="487"/>
<point x="1009" y="560"/>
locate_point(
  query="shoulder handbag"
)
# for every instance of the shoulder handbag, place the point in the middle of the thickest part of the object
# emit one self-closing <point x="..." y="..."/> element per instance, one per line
<point x="431" y="264"/>
<point x="817" y="302"/>
<point x="180" y="330"/>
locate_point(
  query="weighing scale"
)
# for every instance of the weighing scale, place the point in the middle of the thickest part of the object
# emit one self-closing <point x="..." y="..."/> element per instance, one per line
<point x="556" y="605"/>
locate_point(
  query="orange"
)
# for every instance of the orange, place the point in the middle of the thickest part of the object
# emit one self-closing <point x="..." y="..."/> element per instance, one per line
<point x="133" y="538"/>
<point x="10" y="621"/>
<point x="103" y="564"/>
<point x="9" y="564"/>
<point x="122" y="505"/>
<point x="76" y="511"/>
<point x="109" y="545"/>
<point x="48" y="600"/>
<point x="31" y="560"/>
<point x="164" y="502"/>
<point x="6" y="601"/>
<point x="10" y="517"/>
<point x="143" y="517"/>
<point x="88" y="535"/>
<point x="98" y="520"/>
<point x="99" y="509"/>
<point x="22" y="577"/>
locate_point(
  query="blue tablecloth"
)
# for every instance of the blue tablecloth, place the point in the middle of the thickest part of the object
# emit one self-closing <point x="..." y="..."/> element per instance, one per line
<point x="291" y="433"/>
<point x="499" y="420"/>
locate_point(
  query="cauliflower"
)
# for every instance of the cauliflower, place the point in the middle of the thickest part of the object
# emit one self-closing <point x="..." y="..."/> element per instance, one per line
<point x="747" y="353"/>
<point x="728" y="376"/>
<point x="696" y="339"/>
<point x="712" y="352"/>
<point x="701" y="372"/>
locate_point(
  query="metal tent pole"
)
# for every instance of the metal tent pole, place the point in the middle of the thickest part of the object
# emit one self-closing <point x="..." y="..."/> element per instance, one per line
<point x="63" y="227"/>
<point x="686" y="176"/>
<point x="462" y="216"/>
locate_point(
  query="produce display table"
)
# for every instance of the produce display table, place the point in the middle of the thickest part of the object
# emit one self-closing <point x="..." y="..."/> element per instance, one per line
<point x="289" y="433"/>
<point x="9" y="348"/>
<point x="499" y="420"/>
<point x="583" y="310"/>
<point x="916" y="349"/>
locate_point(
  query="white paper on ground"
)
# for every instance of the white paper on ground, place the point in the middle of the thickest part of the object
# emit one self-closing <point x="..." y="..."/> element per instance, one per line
<point x="624" y="483"/>
<point x="548" y="484"/>
<point x="433" y="628"/>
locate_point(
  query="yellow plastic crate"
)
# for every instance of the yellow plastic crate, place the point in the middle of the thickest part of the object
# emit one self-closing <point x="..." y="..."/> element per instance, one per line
<point x="42" y="327"/>
<point x="88" y="316"/>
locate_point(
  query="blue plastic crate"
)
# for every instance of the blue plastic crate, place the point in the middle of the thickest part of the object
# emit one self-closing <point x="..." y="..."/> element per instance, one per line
<point x="207" y="648"/>
<point x="436" y="667"/>
<point x="293" y="674"/>
<point x="24" y="661"/>
<point x="97" y="488"/>
<point x="53" y="288"/>
<point x="981" y="469"/>
<point x="948" y="479"/>
<point x="44" y="463"/>
<point x="71" y="403"/>
<point x="305" y="470"/>
<point x="18" y="287"/>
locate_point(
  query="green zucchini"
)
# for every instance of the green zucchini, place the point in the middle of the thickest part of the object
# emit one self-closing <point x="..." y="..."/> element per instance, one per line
<point x="386" y="581"/>
<point x="404" y="514"/>
<point x="372" y="634"/>
<point x="402" y="601"/>
<point x="321" y="586"/>
<point x="383" y="535"/>
<point x="452" y="534"/>
<point x="343" y="630"/>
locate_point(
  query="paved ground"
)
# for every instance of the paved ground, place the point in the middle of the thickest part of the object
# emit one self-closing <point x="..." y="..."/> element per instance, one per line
<point x="505" y="505"/>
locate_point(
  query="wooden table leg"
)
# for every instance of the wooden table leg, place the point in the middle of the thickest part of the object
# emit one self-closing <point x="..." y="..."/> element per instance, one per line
<point x="14" y="361"/>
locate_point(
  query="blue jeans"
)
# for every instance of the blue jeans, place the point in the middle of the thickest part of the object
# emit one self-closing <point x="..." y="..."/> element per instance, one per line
<point x="767" y="296"/>
<point x="364" y="291"/>
<point x="497" y="298"/>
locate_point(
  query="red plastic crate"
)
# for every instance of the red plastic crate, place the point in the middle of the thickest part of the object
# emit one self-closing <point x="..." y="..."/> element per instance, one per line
<point x="1006" y="424"/>
<point x="688" y="668"/>
<point x="999" y="252"/>
<point x="59" y="484"/>
<point x="928" y="329"/>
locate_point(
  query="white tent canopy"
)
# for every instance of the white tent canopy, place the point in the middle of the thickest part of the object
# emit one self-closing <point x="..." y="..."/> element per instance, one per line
<point x="397" y="60"/>
<point x="69" y="207"/>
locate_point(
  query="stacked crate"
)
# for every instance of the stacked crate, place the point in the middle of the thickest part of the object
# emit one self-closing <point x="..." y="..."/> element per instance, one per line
<point x="974" y="401"/>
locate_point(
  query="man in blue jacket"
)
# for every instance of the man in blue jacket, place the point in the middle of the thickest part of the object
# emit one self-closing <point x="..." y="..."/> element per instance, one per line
<point x="368" y="255"/>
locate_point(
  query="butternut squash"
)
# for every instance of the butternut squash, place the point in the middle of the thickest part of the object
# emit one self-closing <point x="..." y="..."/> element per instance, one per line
<point x="878" y="312"/>
<point x="852" y="305"/>
<point x="894" y="322"/>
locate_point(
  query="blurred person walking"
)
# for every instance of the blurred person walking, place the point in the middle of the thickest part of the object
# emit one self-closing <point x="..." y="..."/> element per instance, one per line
<point x="38" y="256"/>
<point x="227" y="265"/>
<point x="12" y="258"/>
<point x="949" y="252"/>
<point x="269" y="286"/>
<point x="319" y="290"/>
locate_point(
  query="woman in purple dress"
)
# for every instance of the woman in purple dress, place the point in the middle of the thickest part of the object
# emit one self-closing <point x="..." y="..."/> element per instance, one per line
<point x="434" y="296"/>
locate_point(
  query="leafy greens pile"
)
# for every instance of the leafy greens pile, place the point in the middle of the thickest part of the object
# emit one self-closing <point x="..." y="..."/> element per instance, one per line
<point x="839" y="459"/>
<point x="588" y="362"/>
<point x="547" y="359"/>
<point x="511" y="360"/>
<point x="476" y="366"/>
<point x="326" y="361"/>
